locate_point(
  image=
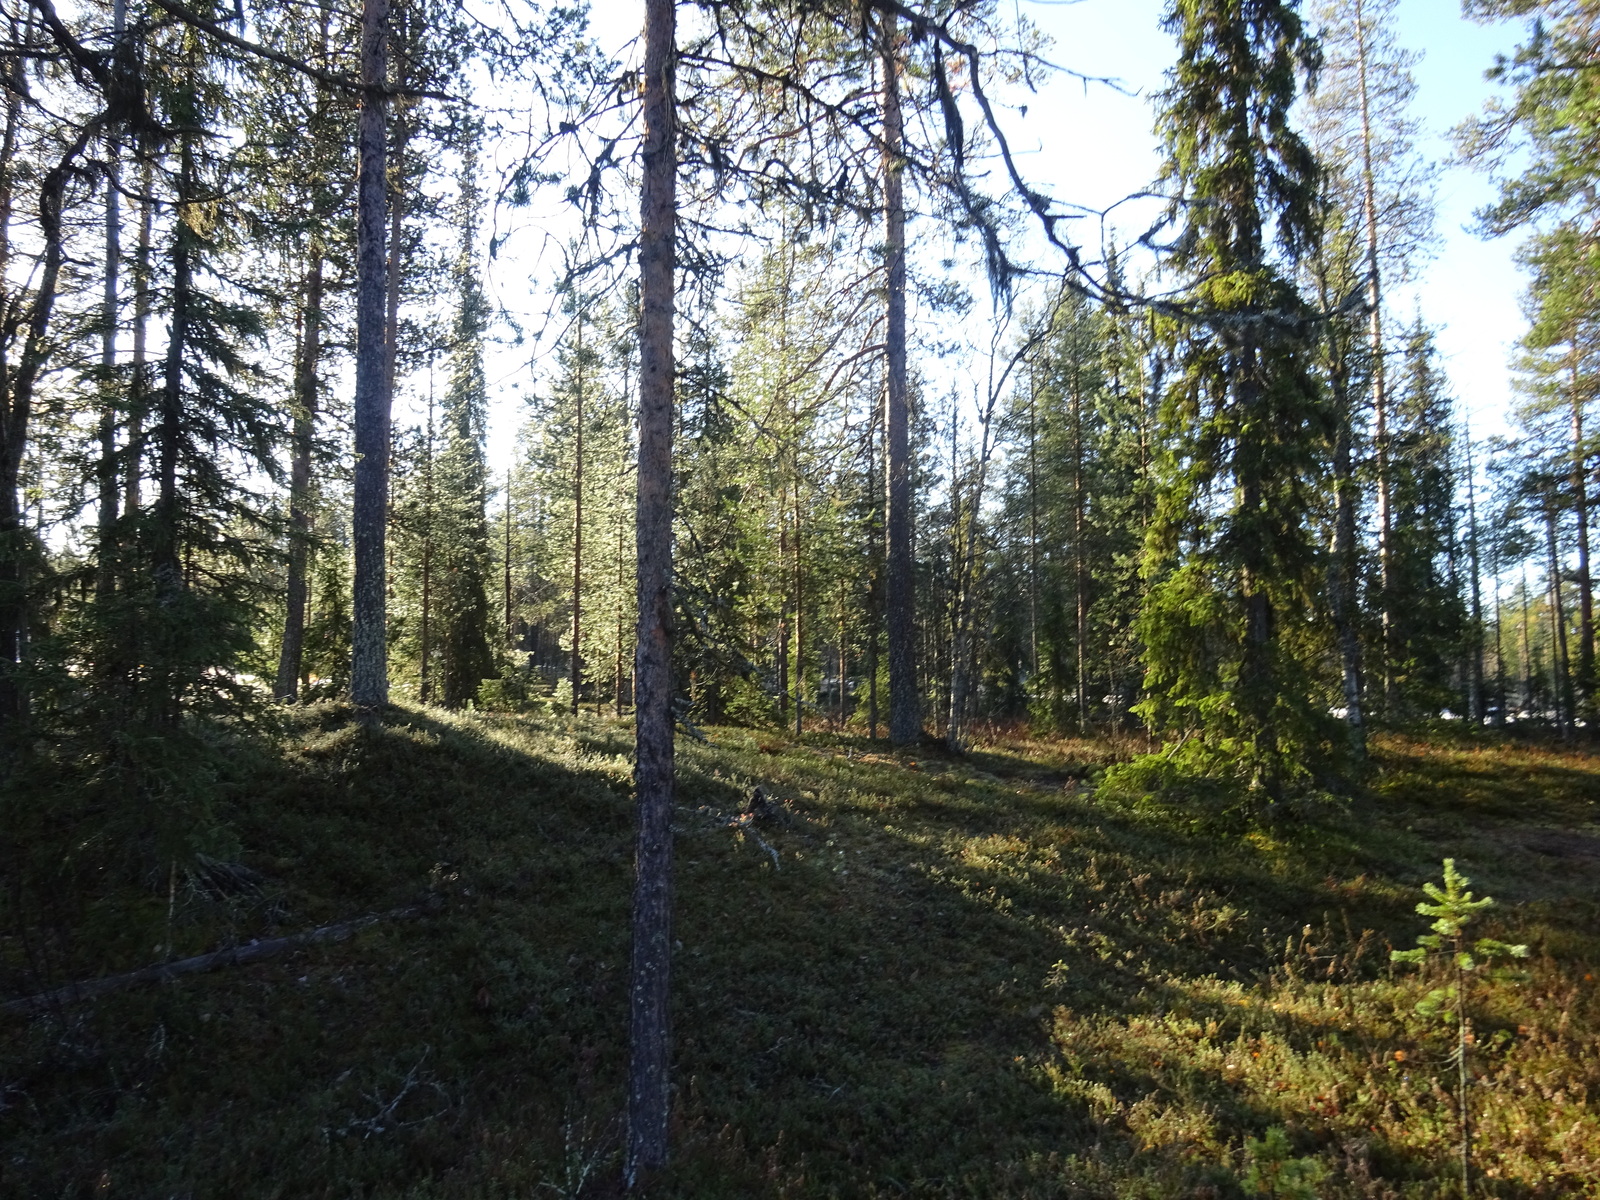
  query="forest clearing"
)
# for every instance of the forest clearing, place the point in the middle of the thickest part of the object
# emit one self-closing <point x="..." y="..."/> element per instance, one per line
<point x="799" y="597"/>
<point x="910" y="974"/>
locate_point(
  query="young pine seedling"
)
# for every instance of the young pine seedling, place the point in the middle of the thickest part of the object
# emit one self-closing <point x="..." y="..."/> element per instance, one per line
<point x="1446" y="950"/>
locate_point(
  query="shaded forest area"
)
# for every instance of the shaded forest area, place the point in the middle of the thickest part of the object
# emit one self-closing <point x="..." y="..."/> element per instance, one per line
<point x="1001" y="630"/>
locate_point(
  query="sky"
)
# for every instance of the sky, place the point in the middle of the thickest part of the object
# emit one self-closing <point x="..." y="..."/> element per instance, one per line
<point x="1096" y="146"/>
<point x="1091" y="144"/>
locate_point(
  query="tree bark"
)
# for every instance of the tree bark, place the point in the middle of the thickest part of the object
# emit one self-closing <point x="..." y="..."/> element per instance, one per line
<point x="139" y="385"/>
<point x="799" y="622"/>
<point x="1475" y="592"/>
<point x="106" y="468"/>
<point x="649" y="1096"/>
<point x="577" y="528"/>
<point x="425" y="648"/>
<point x="1380" y="392"/>
<point x="905" y="709"/>
<point x="510" y="637"/>
<point x="305" y="420"/>
<point x="1580" y="510"/>
<point x="369" y="667"/>
<point x="16" y="411"/>
<point x="874" y="580"/>
<point x="1560" y="676"/>
<point x="1080" y="569"/>
<point x="1342" y="572"/>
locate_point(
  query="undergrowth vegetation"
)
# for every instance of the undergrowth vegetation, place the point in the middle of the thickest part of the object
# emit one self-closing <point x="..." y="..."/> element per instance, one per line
<point x="910" y="975"/>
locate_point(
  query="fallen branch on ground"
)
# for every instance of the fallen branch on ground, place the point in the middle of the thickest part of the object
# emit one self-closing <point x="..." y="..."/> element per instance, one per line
<point x="233" y="956"/>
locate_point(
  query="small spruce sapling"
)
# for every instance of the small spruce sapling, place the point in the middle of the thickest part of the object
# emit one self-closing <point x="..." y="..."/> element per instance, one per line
<point x="1275" y="1170"/>
<point x="1453" y="908"/>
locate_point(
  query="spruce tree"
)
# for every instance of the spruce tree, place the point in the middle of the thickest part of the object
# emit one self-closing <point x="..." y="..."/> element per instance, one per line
<point x="461" y="522"/>
<point x="1429" y="632"/>
<point x="1233" y="561"/>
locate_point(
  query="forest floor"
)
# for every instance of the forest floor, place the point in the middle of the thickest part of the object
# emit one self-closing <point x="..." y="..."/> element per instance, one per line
<point x="918" y="976"/>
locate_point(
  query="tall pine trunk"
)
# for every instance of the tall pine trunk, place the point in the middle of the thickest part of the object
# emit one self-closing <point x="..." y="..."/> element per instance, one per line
<point x="16" y="411"/>
<point x="369" y="668"/>
<point x="799" y="622"/>
<point x="139" y="385"/>
<point x="905" y="709"/>
<point x="106" y="468"/>
<point x="305" y="420"/>
<point x="1560" y="675"/>
<point x="1380" y="391"/>
<point x="577" y="529"/>
<point x="1580" y="511"/>
<point x="1343" y="571"/>
<point x="1475" y="595"/>
<point x="649" y="1095"/>
<point x="166" y="539"/>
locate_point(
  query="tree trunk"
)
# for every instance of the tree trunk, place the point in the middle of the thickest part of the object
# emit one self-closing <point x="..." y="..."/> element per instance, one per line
<point x="783" y="609"/>
<point x="1080" y="571"/>
<point x="1380" y="392"/>
<point x="1527" y="650"/>
<point x="167" y="568"/>
<point x="139" y="385"/>
<point x="1033" y="521"/>
<point x="16" y="410"/>
<point x="649" y="1096"/>
<point x="305" y="422"/>
<point x="799" y="622"/>
<point x="425" y="646"/>
<point x="577" y="528"/>
<point x="509" y="638"/>
<point x="905" y="709"/>
<point x="369" y="667"/>
<point x="874" y="579"/>
<point x="1580" y="510"/>
<point x="106" y="468"/>
<point x="1475" y="633"/>
<point x="1560" y="677"/>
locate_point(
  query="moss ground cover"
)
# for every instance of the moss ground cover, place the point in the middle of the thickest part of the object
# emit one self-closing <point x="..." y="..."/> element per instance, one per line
<point x="961" y="977"/>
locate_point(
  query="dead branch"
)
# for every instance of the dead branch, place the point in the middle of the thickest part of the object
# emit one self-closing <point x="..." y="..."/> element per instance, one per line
<point x="233" y="956"/>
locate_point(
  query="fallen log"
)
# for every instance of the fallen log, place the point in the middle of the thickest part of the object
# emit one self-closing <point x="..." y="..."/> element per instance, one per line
<point x="232" y="956"/>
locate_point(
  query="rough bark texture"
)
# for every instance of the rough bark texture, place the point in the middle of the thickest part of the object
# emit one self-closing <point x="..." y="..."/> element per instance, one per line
<point x="651" y="957"/>
<point x="905" y="715"/>
<point x="305" y="417"/>
<point x="369" y="673"/>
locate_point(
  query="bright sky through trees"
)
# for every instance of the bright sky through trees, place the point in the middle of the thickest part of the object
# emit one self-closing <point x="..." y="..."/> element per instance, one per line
<point x="1093" y="145"/>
